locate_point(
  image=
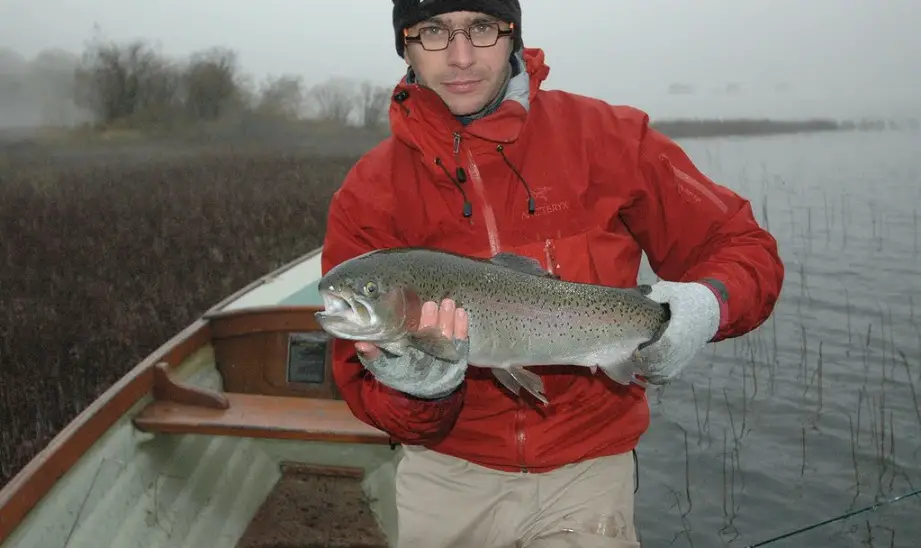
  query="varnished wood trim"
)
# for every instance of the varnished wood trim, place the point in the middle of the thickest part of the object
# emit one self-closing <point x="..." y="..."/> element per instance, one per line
<point x="251" y="348"/>
<point x="252" y="415"/>
<point x="165" y="387"/>
<point x="35" y="479"/>
<point x="262" y="281"/>
<point x="247" y="321"/>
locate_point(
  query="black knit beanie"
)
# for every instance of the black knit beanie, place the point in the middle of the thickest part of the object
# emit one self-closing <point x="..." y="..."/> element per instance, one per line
<point x="407" y="13"/>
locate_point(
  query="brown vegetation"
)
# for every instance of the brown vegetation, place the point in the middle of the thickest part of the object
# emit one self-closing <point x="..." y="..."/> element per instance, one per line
<point x="100" y="263"/>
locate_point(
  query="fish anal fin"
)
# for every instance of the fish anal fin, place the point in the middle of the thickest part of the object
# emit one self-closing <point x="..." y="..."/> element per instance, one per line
<point x="520" y="263"/>
<point x="431" y="341"/>
<point x="507" y="380"/>
<point x="528" y="380"/>
<point x="618" y="364"/>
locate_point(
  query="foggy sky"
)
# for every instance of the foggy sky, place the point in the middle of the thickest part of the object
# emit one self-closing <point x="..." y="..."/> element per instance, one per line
<point x="841" y="58"/>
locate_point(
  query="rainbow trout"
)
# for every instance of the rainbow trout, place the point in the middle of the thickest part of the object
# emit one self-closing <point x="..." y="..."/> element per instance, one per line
<point x="519" y="315"/>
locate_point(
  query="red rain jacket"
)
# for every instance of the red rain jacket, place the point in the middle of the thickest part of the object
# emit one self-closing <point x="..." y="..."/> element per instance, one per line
<point x="605" y="187"/>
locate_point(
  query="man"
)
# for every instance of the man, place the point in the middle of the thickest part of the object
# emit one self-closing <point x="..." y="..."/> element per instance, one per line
<point x="482" y="160"/>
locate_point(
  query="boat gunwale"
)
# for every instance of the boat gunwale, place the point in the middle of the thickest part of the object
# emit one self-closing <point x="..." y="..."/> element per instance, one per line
<point x="36" y="479"/>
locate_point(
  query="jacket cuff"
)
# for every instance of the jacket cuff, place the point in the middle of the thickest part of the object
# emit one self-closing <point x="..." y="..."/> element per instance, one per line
<point x="722" y="297"/>
<point x="410" y="399"/>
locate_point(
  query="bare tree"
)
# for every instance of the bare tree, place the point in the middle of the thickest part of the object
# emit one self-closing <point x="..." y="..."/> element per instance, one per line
<point x="124" y="82"/>
<point x="134" y="85"/>
<point x="335" y="99"/>
<point x="210" y="85"/>
<point x="374" y="101"/>
<point x="282" y="97"/>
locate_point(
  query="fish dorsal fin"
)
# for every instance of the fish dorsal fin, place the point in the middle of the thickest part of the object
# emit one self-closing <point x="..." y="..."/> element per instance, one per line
<point x="643" y="289"/>
<point x="519" y="263"/>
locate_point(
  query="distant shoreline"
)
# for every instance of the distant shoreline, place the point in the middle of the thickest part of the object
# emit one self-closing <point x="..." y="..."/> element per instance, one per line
<point x="701" y="128"/>
<point x="688" y="128"/>
<point x="305" y="133"/>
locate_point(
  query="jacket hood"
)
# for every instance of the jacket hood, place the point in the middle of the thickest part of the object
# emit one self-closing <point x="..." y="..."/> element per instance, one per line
<point x="421" y="119"/>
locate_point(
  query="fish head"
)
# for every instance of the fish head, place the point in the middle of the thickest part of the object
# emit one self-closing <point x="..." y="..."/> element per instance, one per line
<point x="363" y="305"/>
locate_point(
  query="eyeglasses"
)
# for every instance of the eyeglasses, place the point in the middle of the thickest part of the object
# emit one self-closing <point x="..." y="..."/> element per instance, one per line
<point x="481" y="35"/>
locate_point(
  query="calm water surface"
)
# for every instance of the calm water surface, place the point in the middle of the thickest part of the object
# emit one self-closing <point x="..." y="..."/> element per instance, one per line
<point x="816" y="413"/>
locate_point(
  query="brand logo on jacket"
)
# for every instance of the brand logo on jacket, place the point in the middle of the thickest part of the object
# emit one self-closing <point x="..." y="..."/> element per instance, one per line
<point x="543" y="203"/>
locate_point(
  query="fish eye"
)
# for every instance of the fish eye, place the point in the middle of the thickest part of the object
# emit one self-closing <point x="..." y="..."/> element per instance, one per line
<point x="370" y="289"/>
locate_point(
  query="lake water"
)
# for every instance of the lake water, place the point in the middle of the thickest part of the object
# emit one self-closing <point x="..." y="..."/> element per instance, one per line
<point x="815" y="414"/>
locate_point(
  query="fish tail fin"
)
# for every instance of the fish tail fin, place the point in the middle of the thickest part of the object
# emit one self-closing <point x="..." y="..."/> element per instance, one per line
<point x="515" y="378"/>
<point x="660" y="330"/>
<point x="667" y="312"/>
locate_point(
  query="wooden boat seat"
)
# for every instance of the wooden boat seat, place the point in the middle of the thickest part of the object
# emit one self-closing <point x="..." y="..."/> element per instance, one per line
<point x="184" y="409"/>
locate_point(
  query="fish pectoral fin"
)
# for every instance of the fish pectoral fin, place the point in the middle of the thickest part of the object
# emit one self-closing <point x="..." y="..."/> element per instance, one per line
<point x="520" y="263"/>
<point x="397" y="348"/>
<point x="431" y="341"/>
<point x="528" y="380"/>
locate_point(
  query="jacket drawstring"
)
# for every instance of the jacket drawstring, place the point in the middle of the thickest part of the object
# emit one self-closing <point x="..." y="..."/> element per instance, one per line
<point x="468" y="207"/>
<point x="400" y="97"/>
<point x="531" y="206"/>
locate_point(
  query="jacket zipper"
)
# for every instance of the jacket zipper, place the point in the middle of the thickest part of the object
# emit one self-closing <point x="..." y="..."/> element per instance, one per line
<point x="489" y="216"/>
<point x="520" y="436"/>
<point x="457" y="141"/>
<point x="494" y="247"/>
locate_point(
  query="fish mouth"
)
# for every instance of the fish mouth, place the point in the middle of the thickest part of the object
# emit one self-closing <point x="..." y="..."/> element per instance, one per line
<point x="348" y="316"/>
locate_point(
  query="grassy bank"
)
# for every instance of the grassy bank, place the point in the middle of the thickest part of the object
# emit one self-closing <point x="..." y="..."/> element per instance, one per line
<point x="101" y="263"/>
<point x="330" y="137"/>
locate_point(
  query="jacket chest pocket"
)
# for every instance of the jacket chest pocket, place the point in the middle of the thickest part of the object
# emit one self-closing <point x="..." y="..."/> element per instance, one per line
<point x="588" y="254"/>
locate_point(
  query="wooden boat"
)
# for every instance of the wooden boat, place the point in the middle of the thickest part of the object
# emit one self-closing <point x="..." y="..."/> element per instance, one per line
<point x="230" y="435"/>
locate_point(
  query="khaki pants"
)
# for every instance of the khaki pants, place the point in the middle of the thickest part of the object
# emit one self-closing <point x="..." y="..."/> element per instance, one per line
<point x="445" y="502"/>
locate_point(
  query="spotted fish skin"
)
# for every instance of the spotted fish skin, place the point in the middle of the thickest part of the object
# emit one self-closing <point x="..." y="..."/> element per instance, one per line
<point x="519" y="315"/>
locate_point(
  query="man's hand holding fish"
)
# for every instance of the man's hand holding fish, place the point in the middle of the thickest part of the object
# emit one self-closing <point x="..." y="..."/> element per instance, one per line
<point x="415" y="372"/>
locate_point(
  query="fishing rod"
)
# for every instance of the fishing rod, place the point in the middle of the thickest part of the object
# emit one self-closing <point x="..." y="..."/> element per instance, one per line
<point x="832" y="520"/>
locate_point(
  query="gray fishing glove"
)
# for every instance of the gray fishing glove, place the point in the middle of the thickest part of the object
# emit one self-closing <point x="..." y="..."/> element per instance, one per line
<point x="695" y="319"/>
<point x="417" y="373"/>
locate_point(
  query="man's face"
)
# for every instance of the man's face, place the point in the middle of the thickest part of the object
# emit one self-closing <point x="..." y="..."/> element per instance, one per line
<point x="466" y="77"/>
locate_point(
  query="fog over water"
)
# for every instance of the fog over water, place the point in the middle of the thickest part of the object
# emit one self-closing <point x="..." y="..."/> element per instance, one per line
<point x="709" y="58"/>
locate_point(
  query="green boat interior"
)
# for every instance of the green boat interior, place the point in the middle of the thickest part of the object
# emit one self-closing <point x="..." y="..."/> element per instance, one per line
<point x="231" y="435"/>
<point x="276" y="384"/>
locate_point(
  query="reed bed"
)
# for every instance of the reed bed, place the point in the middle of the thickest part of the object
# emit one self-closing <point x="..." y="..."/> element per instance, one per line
<point x="102" y="260"/>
